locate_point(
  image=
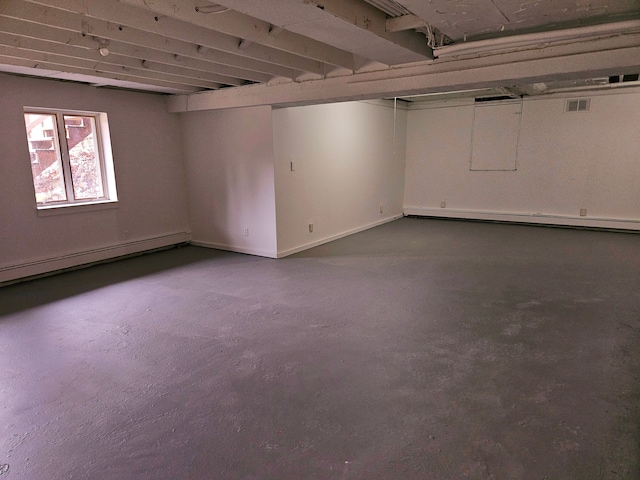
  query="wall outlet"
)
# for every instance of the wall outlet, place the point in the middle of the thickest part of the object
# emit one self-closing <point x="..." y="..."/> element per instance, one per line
<point x="381" y="208"/>
<point x="583" y="212"/>
<point x="311" y="228"/>
<point x="443" y="204"/>
<point x="246" y="231"/>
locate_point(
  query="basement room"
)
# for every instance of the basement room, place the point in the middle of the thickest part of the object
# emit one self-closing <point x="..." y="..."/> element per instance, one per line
<point x="319" y="239"/>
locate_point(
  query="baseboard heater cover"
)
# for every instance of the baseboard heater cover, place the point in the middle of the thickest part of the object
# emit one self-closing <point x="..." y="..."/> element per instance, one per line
<point x="528" y="218"/>
<point x="46" y="266"/>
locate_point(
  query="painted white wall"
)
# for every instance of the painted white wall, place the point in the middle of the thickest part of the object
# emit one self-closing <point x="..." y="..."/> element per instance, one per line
<point x="228" y="157"/>
<point x="566" y="162"/>
<point x="347" y="164"/>
<point x="151" y="210"/>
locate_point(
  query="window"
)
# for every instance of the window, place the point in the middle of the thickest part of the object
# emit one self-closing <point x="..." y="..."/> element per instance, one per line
<point x="71" y="161"/>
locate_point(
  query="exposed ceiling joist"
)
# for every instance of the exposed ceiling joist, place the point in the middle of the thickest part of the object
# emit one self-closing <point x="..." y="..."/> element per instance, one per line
<point x="317" y="46"/>
<point x="41" y="16"/>
<point x="487" y="72"/>
<point x="84" y="72"/>
<point x="374" y="21"/>
<point x="405" y="22"/>
<point x="18" y="66"/>
<point x="65" y="37"/>
<point x="149" y="69"/>
<point x="139" y="74"/>
<point x="249" y="29"/>
<point x="147" y="21"/>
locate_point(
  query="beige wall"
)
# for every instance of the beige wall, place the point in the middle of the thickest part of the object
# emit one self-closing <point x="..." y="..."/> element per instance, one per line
<point x="566" y="162"/>
<point x="349" y="160"/>
<point x="226" y="172"/>
<point x="146" y="143"/>
<point x="228" y="158"/>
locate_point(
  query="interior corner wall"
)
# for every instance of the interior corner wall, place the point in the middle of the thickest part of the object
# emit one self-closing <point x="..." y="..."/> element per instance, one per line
<point x="565" y="162"/>
<point x="151" y="211"/>
<point x="228" y="157"/>
<point x="348" y="162"/>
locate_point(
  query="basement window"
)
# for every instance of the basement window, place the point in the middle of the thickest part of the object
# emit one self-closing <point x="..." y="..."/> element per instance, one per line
<point x="70" y="154"/>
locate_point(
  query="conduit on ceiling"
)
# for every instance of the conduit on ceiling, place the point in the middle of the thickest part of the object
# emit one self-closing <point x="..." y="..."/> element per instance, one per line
<point x="496" y="45"/>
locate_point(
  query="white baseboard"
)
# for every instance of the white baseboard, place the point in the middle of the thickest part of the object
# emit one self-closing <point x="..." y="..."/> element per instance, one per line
<point x="11" y="273"/>
<point x="533" y="218"/>
<point x="331" y="238"/>
<point x="236" y="249"/>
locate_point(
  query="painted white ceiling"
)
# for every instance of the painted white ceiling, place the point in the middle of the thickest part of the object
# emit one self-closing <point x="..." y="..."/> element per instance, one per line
<point x="193" y="46"/>
<point x="491" y="18"/>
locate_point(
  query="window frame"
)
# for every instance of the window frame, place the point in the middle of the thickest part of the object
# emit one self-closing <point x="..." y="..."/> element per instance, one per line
<point x="102" y="145"/>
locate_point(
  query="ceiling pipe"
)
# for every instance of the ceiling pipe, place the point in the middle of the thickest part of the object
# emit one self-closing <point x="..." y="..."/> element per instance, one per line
<point x="496" y="45"/>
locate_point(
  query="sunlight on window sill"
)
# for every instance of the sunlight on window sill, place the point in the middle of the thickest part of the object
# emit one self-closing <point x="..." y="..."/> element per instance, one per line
<point x="48" y="210"/>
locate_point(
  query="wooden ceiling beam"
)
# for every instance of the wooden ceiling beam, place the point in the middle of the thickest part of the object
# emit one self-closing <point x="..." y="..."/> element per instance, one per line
<point x="249" y="28"/>
<point x="150" y="22"/>
<point x="66" y="37"/>
<point x="45" y="16"/>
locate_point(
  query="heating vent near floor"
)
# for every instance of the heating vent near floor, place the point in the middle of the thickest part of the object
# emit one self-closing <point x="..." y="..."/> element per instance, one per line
<point x="578" y="105"/>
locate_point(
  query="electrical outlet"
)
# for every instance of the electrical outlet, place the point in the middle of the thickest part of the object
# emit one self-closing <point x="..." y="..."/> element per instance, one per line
<point x="311" y="228"/>
<point x="583" y="212"/>
<point x="381" y="208"/>
<point x="443" y="204"/>
<point x="246" y="231"/>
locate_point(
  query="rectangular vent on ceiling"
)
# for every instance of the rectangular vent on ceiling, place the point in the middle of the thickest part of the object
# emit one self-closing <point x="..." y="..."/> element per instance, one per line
<point x="496" y="98"/>
<point x="578" y="105"/>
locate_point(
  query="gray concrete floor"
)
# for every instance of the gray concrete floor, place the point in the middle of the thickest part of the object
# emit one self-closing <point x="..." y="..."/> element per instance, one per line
<point x="421" y="349"/>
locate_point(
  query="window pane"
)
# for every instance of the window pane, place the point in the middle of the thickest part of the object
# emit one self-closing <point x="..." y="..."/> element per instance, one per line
<point x="84" y="159"/>
<point x="46" y="166"/>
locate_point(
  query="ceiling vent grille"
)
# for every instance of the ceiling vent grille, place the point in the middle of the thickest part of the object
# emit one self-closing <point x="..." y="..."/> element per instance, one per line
<point x="578" y="105"/>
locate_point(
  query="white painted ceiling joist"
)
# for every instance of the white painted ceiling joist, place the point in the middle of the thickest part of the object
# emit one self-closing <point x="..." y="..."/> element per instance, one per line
<point x="40" y="16"/>
<point x="248" y="28"/>
<point x="64" y="37"/>
<point x="147" y="21"/>
<point x="293" y="46"/>
<point x="87" y="75"/>
<point x="510" y="69"/>
<point x="373" y="21"/>
<point x="405" y="22"/>
<point x="139" y="73"/>
<point x="151" y="69"/>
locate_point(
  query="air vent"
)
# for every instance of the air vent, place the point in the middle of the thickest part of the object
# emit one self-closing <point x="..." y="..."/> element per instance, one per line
<point x="497" y="98"/>
<point x="624" y="78"/>
<point x="577" y="105"/>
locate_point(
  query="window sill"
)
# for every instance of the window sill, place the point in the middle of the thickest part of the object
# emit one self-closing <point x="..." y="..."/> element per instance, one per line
<point x="49" y="210"/>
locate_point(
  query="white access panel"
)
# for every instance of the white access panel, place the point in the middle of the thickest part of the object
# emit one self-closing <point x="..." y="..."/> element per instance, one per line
<point x="494" y="142"/>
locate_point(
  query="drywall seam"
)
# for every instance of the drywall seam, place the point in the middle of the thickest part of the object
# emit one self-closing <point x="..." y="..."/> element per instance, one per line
<point x="537" y="218"/>
<point x="47" y="265"/>
<point x="331" y="238"/>
<point x="232" y="248"/>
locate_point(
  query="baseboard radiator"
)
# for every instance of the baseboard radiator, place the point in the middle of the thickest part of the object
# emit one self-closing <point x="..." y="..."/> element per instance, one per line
<point x="531" y="218"/>
<point x="47" y="266"/>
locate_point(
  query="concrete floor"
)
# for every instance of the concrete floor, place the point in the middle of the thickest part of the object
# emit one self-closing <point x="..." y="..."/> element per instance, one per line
<point x="421" y="349"/>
